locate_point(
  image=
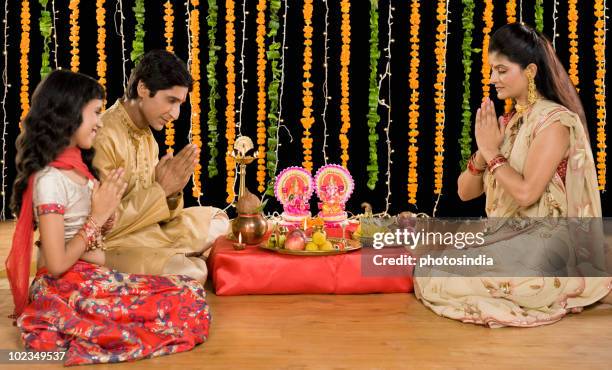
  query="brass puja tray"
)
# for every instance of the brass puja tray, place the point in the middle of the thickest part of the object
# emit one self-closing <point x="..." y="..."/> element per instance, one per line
<point x="351" y="245"/>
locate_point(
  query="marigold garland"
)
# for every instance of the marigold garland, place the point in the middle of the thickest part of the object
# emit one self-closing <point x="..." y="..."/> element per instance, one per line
<point x="511" y="17"/>
<point x="467" y="21"/>
<point x="600" y="90"/>
<point x="261" y="95"/>
<point x="169" y="35"/>
<point x="413" y="116"/>
<point x="572" y="19"/>
<point x="211" y="75"/>
<point x="373" y="117"/>
<point x="138" y="42"/>
<point x="345" y="61"/>
<point x="440" y="51"/>
<point x="539" y="15"/>
<point x="273" y="56"/>
<point x="24" y="46"/>
<point x="45" y="27"/>
<point x="74" y="34"/>
<point x="194" y="96"/>
<point x="487" y="17"/>
<point x="307" y="119"/>
<point x="230" y="86"/>
<point x="101" y="22"/>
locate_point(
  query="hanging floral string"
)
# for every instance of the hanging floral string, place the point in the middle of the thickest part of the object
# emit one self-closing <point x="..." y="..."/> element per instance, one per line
<point x="600" y="89"/>
<point x="74" y="34"/>
<point x="24" y="47"/>
<point x="440" y="51"/>
<point x="213" y="96"/>
<point x="230" y="87"/>
<point x="413" y="116"/>
<point x="273" y="56"/>
<point x="45" y="26"/>
<point x="169" y="35"/>
<point x="101" y="22"/>
<point x="194" y="96"/>
<point x="572" y="19"/>
<point x="307" y="119"/>
<point x="345" y="61"/>
<point x="261" y="95"/>
<point x="511" y="18"/>
<point x="467" y="21"/>
<point x="487" y="17"/>
<point x="373" y="117"/>
<point x="539" y="15"/>
<point x="138" y="42"/>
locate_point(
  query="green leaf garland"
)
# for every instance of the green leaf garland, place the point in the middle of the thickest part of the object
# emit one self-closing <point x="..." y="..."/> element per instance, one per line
<point x="213" y="134"/>
<point x="45" y="27"/>
<point x="138" y="43"/>
<point x="373" y="117"/>
<point x="467" y="22"/>
<point x="539" y="15"/>
<point x="273" y="56"/>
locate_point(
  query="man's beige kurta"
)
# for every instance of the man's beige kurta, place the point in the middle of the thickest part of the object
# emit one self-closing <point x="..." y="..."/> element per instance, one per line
<point x="149" y="228"/>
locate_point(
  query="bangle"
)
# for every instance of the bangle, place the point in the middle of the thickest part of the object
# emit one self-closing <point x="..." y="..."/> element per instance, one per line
<point x="497" y="161"/>
<point x="92" y="234"/>
<point x="471" y="165"/>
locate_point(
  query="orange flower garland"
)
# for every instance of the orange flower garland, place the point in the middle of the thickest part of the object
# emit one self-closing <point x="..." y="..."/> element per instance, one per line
<point x="230" y="108"/>
<point x="413" y="116"/>
<point x="100" y="21"/>
<point x="194" y="28"/>
<point x="600" y="90"/>
<point x="511" y="17"/>
<point x="572" y="18"/>
<point x="74" y="34"/>
<point x="487" y="17"/>
<point x="169" y="32"/>
<point x="440" y="51"/>
<point x="261" y="95"/>
<point x="24" y="46"/>
<point x="345" y="61"/>
<point x="307" y="118"/>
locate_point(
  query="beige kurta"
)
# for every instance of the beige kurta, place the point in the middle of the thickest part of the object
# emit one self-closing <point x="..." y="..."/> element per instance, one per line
<point x="526" y="301"/>
<point x="150" y="230"/>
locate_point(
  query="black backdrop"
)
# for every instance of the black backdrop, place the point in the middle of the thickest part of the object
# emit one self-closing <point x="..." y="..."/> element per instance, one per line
<point x="290" y="152"/>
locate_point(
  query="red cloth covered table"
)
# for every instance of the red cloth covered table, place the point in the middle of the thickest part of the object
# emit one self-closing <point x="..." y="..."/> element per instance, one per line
<point x="258" y="271"/>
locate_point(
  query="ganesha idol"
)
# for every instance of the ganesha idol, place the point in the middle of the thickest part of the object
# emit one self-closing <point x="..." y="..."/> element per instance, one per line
<point x="293" y="189"/>
<point x="334" y="186"/>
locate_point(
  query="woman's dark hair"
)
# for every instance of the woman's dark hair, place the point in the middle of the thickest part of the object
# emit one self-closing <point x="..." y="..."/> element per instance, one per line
<point x="158" y="70"/>
<point x="54" y="117"/>
<point x="524" y="45"/>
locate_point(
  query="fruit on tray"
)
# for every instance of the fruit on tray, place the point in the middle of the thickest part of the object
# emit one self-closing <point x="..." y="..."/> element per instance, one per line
<point x="296" y="240"/>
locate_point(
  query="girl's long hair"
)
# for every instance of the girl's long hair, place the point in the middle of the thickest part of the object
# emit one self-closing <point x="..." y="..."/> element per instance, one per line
<point x="54" y="117"/>
<point x="523" y="45"/>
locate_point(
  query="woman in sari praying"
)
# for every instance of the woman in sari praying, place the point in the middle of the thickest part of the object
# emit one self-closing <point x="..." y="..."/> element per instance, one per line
<point x="535" y="162"/>
<point x="74" y="304"/>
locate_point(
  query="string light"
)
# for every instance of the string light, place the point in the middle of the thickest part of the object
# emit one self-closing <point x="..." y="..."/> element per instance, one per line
<point x="243" y="80"/>
<point x="261" y="95"/>
<point x="413" y="117"/>
<point x="24" y="48"/>
<point x="521" y="11"/>
<point x="55" y="33"/>
<point x="554" y="38"/>
<point x="5" y="123"/>
<point x="345" y="61"/>
<point x="441" y="49"/>
<point x="572" y="19"/>
<point x="169" y="35"/>
<point x="119" y="11"/>
<point x="230" y="112"/>
<point x="387" y="76"/>
<point x="325" y="88"/>
<point x="307" y="120"/>
<point x="600" y="89"/>
<point x="74" y="35"/>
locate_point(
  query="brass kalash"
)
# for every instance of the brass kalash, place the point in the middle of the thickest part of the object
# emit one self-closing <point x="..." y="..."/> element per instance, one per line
<point x="247" y="228"/>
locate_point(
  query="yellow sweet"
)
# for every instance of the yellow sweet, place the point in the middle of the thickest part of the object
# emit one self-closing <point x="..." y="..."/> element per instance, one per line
<point x="327" y="246"/>
<point x="311" y="247"/>
<point x="319" y="238"/>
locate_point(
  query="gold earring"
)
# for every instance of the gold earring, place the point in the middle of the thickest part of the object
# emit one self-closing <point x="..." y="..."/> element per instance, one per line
<point x="532" y="95"/>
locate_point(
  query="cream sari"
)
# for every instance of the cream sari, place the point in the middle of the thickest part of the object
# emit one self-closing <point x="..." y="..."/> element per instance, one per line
<point x="527" y="301"/>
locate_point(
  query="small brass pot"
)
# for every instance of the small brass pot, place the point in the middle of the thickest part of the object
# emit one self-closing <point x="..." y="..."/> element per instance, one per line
<point x="252" y="227"/>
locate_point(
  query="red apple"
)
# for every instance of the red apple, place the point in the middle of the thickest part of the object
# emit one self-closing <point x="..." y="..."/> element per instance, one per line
<point x="296" y="240"/>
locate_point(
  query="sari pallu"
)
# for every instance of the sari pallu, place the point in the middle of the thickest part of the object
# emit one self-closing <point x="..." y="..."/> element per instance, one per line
<point x="98" y="315"/>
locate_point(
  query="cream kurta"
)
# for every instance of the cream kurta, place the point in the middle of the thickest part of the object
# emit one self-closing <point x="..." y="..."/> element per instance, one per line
<point x="526" y="301"/>
<point x="149" y="229"/>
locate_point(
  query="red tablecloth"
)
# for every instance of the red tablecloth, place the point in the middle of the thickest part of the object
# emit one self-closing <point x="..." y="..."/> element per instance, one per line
<point x="259" y="271"/>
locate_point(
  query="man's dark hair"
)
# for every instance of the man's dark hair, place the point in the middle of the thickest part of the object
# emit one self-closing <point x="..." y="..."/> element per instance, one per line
<point x="158" y="70"/>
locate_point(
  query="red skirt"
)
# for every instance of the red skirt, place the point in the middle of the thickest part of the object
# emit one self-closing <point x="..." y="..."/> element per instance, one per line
<point x="98" y="315"/>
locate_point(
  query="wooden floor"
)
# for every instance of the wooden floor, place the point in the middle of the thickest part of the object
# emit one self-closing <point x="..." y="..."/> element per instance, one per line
<point x="391" y="331"/>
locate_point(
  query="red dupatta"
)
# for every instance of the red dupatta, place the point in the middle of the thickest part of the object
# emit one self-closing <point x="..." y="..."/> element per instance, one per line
<point x="18" y="260"/>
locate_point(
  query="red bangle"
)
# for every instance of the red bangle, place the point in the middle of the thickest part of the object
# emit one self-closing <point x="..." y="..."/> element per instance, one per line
<point x="497" y="161"/>
<point x="471" y="165"/>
